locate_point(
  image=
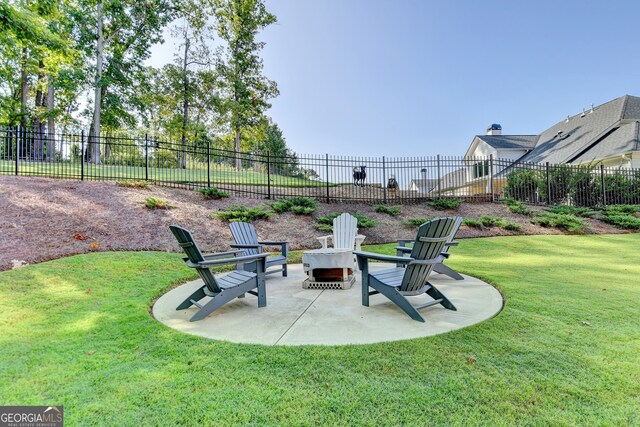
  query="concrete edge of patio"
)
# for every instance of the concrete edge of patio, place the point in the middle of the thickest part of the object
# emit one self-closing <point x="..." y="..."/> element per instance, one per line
<point x="296" y="316"/>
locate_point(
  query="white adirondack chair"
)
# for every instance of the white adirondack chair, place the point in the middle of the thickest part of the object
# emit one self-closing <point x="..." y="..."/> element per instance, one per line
<point x="345" y="233"/>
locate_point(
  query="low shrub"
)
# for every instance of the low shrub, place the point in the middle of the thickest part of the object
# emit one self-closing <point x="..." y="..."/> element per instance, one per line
<point x="442" y="203"/>
<point x="493" y="221"/>
<point x="571" y="210"/>
<point x="325" y="222"/>
<point x="567" y="222"/>
<point x="414" y="222"/>
<point x="212" y="193"/>
<point x="622" y="209"/>
<point x="389" y="210"/>
<point x="156" y="203"/>
<point x="133" y="184"/>
<point x="244" y="214"/>
<point x="297" y="205"/>
<point x="470" y="222"/>
<point x="517" y="207"/>
<point x="512" y="226"/>
<point x="620" y="220"/>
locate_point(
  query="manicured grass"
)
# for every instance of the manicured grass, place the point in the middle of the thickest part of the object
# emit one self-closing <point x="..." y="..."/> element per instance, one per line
<point x="564" y="351"/>
<point x="218" y="175"/>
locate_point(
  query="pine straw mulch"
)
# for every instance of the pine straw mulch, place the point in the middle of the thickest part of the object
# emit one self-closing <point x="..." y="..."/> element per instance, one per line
<point x="43" y="219"/>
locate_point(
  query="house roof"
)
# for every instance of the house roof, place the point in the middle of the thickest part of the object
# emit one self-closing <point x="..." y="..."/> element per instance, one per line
<point x="595" y="134"/>
<point x="506" y="142"/>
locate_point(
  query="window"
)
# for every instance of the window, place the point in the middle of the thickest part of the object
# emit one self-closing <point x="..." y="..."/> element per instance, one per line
<point x="481" y="169"/>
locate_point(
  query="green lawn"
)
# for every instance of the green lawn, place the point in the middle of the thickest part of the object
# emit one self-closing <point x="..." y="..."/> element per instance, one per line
<point x="564" y="351"/>
<point x="218" y="175"/>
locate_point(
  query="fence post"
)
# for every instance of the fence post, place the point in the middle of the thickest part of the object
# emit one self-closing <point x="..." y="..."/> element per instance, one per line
<point x="438" y="165"/>
<point x="384" y="180"/>
<point x="491" y="177"/>
<point x="208" y="163"/>
<point x="604" y="195"/>
<point x="327" y="173"/>
<point x="146" y="157"/>
<point x="17" y="149"/>
<point x="82" y="155"/>
<point x="548" y="186"/>
<point x="268" y="174"/>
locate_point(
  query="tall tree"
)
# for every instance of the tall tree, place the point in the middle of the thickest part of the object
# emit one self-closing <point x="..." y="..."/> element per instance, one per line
<point x="240" y="66"/>
<point x="122" y="33"/>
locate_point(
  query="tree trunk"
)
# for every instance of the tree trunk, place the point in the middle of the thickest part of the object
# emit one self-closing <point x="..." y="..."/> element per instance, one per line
<point x="38" y="126"/>
<point x="185" y="101"/>
<point x="51" y="123"/>
<point x="94" y="137"/>
<point x="238" y="159"/>
<point x="24" y="90"/>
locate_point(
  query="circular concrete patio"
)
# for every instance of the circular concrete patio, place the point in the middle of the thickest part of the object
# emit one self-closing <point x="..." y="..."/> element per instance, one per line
<point x="296" y="316"/>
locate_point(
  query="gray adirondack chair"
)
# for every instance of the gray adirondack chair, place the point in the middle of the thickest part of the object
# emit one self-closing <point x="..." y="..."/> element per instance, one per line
<point x="345" y="233"/>
<point x="224" y="288"/>
<point x="245" y="237"/>
<point x="398" y="283"/>
<point x="440" y="267"/>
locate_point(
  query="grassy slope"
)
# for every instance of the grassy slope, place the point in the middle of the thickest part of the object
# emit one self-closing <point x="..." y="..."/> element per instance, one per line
<point x="564" y="351"/>
<point x="219" y="174"/>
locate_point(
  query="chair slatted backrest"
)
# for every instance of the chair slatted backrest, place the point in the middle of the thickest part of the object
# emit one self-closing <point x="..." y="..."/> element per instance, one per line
<point x="456" y="226"/>
<point x="345" y="228"/>
<point x="245" y="234"/>
<point x="430" y="241"/>
<point x="186" y="242"/>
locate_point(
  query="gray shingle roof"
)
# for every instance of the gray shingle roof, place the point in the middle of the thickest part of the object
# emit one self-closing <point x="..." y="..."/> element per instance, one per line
<point x="588" y="136"/>
<point x="502" y="142"/>
<point x="621" y="141"/>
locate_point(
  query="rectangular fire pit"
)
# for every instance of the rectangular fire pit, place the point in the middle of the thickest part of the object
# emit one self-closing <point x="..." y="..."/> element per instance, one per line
<point x="328" y="269"/>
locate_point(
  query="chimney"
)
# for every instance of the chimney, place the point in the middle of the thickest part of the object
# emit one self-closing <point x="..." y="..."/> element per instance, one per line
<point x="494" y="129"/>
<point x="423" y="173"/>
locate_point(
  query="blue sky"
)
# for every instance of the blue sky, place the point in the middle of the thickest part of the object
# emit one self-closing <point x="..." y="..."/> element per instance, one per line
<point x="421" y="77"/>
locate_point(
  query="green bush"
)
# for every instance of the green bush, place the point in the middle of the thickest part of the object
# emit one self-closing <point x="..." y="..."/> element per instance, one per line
<point x="132" y="184"/>
<point x="389" y="210"/>
<point x="325" y="222"/>
<point x="620" y="220"/>
<point x="242" y="213"/>
<point x="156" y="203"/>
<point x="522" y="185"/>
<point x="512" y="226"/>
<point x="517" y="207"/>
<point x="567" y="222"/>
<point x="470" y="222"/>
<point x="414" y="222"/>
<point x="493" y="221"/>
<point x="212" y="193"/>
<point x="624" y="209"/>
<point x="571" y="210"/>
<point x="297" y="205"/>
<point x="443" y="203"/>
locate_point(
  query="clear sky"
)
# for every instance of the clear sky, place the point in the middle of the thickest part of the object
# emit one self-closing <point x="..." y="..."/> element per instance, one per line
<point x="422" y="77"/>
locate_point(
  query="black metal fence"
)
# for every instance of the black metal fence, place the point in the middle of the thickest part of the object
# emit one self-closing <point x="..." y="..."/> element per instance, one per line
<point x="325" y="177"/>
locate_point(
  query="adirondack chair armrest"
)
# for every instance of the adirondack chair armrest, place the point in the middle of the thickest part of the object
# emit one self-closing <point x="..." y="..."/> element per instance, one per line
<point x="284" y="246"/>
<point x="246" y="246"/>
<point x="381" y="257"/>
<point x="452" y="243"/>
<point x="223" y="261"/>
<point x="324" y="241"/>
<point x="219" y="254"/>
<point x="403" y="249"/>
<point x="405" y="242"/>
<point x="214" y="255"/>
